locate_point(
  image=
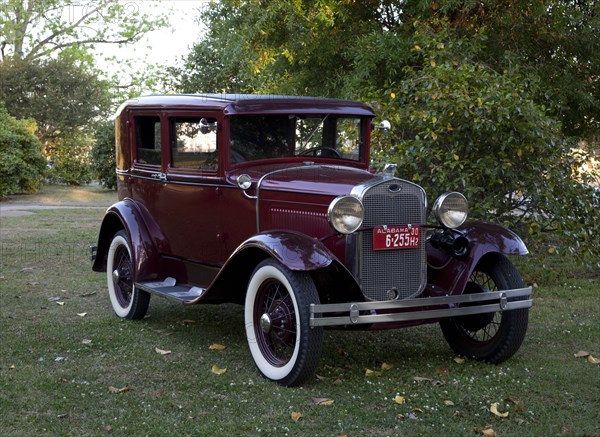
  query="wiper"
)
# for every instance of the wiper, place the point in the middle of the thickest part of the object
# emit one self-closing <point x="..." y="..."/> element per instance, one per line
<point x="312" y="134"/>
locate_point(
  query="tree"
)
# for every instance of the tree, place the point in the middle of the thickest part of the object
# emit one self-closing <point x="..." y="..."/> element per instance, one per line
<point x="22" y="166"/>
<point x="34" y="29"/>
<point x="488" y="97"/>
<point x="65" y="98"/>
<point x="462" y="126"/>
<point x="60" y="94"/>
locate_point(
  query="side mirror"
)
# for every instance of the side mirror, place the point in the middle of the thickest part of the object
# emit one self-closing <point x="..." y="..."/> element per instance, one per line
<point x="206" y="127"/>
<point x="385" y="126"/>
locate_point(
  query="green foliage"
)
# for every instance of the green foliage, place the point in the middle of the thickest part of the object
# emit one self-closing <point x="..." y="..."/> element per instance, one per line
<point x="41" y="29"/>
<point x="103" y="155"/>
<point x="64" y="97"/>
<point x="70" y="161"/>
<point x="22" y="166"/>
<point x="461" y="126"/>
<point x="60" y="94"/>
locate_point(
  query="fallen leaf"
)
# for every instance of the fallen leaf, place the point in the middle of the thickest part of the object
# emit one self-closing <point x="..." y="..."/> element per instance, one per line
<point x="495" y="412"/>
<point x="399" y="399"/>
<point x="338" y="381"/>
<point x="322" y="401"/>
<point x="581" y="354"/>
<point x="82" y="314"/>
<point x="442" y="370"/>
<point x="12" y="367"/>
<point x="369" y="372"/>
<point x="296" y="416"/>
<point x="161" y="351"/>
<point x="54" y="298"/>
<point x="449" y="403"/>
<point x="593" y="360"/>
<point x="218" y="370"/>
<point x="59" y="359"/>
<point x="459" y="360"/>
<point x="60" y="303"/>
<point x="91" y="293"/>
<point x="416" y="410"/>
<point x="400" y="416"/>
<point x="217" y="347"/>
<point x="420" y="378"/>
<point x="33" y="283"/>
<point x="188" y="322"/>
<point x="487" y="432"/>
<point x="116" y="390"/>
<point x="386" y="366"/>
<point x="321" y="378"/>
<point x="433" y="381"/>
<point x="86" y="341"/>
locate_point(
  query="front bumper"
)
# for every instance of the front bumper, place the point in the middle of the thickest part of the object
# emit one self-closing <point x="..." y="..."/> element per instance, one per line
<point x="425" y="309"/>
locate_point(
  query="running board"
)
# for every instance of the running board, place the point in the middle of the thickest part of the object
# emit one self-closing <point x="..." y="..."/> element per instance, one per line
<point x="169" y="289"/>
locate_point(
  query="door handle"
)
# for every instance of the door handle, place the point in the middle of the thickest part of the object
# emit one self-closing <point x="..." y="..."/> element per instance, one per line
<point x="160" y="176"/>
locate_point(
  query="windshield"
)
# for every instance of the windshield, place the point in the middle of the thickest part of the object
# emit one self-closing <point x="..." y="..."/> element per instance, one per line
<point x="278" y="136"/>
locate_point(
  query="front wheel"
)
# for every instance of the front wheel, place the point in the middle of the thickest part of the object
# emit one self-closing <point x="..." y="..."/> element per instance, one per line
<point x="127" y="301"/>
<point x="491" y="337"/>
<point x="284" y="347"/>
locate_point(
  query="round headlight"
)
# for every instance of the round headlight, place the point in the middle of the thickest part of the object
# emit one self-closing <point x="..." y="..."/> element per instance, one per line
<point x="346" y="214"/>
<point x="451" y="209"/>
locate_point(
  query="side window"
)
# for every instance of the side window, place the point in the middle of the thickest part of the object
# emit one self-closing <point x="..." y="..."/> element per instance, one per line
<point x="194" y="143"/>
<point x="147" y="140"/>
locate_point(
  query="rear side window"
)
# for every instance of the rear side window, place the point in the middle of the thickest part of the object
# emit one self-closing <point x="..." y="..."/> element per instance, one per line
<point x="147" y="140"/>
<point x="194" y="143"/>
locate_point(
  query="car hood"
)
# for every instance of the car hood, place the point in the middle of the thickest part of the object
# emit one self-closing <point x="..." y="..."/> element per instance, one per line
<point x="323" y="179"/>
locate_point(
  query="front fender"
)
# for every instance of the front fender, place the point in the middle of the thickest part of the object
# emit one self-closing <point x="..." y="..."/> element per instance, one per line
<point x="452" y="273"/>
<point x="144" y="236"/>
<point x="294" y="250"/>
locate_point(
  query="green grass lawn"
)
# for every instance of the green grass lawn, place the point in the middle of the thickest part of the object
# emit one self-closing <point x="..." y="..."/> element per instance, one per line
<point x="62" y="349"/>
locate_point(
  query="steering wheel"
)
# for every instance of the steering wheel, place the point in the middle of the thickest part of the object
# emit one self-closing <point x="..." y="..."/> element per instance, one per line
<point x="325" y="152"/>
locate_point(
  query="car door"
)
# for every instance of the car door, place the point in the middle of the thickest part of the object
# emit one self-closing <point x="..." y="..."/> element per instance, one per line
<point x="177" y="180"/>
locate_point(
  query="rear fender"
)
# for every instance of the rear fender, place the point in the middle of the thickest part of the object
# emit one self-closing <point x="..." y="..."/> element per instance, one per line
<point x="145" y="238"/>
<point x="452" y="273"/>
<point x="294" y="250"/>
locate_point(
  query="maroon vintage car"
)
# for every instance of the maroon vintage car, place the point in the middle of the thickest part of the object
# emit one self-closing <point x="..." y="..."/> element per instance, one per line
<point x="268" y="201"/>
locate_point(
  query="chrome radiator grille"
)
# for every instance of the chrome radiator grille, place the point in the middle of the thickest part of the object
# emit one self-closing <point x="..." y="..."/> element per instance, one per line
<point x="386" y="274"/>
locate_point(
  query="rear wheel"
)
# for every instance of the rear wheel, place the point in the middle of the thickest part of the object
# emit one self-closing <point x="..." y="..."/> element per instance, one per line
<point x="127" y="301"/>
<point x="492" y="337"/>
<point x="284" y="347"/>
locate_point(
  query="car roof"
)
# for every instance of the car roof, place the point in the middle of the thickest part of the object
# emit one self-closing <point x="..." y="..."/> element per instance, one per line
<point x="232" y="104"/>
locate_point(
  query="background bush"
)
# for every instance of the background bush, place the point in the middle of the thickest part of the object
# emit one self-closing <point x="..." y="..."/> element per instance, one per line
<point x="22" y="165"/>
<point x="103" y="155"/>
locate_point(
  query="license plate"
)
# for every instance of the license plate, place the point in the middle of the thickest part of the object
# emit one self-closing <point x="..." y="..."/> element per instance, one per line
<point x="396" y="237"/>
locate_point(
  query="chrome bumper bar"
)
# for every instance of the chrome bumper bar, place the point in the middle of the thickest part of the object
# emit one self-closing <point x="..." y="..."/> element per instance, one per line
<point x="354" y="313"/>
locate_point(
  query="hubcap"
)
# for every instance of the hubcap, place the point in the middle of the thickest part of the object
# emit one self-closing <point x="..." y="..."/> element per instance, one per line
<point x="116" y="276"/>
<point x="265" y="323"/>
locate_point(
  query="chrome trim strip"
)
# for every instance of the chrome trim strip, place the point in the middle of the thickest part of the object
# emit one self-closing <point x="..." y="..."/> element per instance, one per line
<point x="318" y="313"/>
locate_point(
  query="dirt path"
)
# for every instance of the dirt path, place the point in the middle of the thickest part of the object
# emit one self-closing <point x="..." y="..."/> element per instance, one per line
<point x="20" y="209"/>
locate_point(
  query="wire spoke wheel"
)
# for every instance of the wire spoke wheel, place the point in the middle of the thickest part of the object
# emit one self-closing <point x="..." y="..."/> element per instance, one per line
<point x="127" y="300"/>
<point x="277" y="313"/>
<point x="492" y="337"/>
<point x="275" y="323"/>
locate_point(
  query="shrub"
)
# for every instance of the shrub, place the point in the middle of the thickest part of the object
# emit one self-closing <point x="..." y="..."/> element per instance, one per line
<point x="71" y="161"/>
<point x="22" y="165"/>
<point x="103" y="155"/>
<point x="462" y="126"/>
